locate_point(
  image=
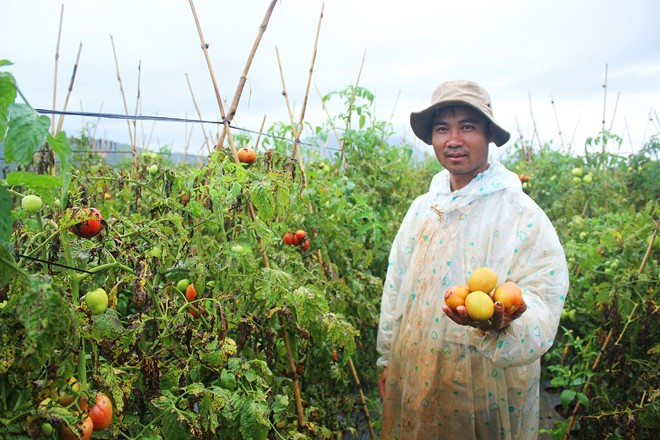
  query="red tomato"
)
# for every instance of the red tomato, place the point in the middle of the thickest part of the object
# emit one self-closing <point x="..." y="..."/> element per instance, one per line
<point x="191" y="292"/>
<point x="101" y="412"/>
<point x="247" y="155"/>
<point x="305" y="244"/>
<point x="91" y="226"/>
<point x="289" y="238"/>
<point x="85" y="427"/>
<point x="300" y="234"/>
<point x="335" y="356"/>
<point x="193" y="312"/>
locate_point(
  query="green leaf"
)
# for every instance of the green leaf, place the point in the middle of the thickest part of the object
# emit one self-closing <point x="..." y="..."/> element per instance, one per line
<point x="26" y="131"/>
<point x="7" y="264"/>
<point x="5" y="63"/>
<point x="262" y="198"/>
<point x="254" y="420"/>
<point x="566" y="397"/>
<point x="5" y="215"/>
<point x="61" y="147"/>
<point x="45" y="315"/>
<point x="7" y="96"/>
<point x="583" y="399"/>
<point x="33" y="181"/>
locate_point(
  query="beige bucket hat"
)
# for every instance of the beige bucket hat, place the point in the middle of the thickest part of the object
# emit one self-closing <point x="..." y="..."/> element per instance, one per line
<point x="456" y="92"/>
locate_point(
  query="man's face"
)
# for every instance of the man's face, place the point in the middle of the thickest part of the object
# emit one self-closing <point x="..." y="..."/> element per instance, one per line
<point x="460" y="137"/>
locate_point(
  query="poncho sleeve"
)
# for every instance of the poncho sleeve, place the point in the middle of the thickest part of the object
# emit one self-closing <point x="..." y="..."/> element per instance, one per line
<point x="539" y="268"/>
<point x="399" y="259"/>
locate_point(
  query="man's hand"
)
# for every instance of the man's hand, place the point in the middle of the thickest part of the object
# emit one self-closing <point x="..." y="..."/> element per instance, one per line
<point x="498" y="321"/>
<point x="381" y="384"/>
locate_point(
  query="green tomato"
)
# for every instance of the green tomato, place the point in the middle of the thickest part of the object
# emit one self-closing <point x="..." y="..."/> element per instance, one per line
<point x="31" y="203"/>
<point x="237" y="248"/>
<point x="153" y="169"/>
<point x="576" y="171"/>
<point x="46" y="428"/>
<point x="97" y="301"/>
<point x="588" y="178"/>
<point x="183" y="284"/>
<point x="577" y="180"/>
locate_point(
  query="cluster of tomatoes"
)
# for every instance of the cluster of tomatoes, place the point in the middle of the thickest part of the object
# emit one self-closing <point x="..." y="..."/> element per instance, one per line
<point x="524" y="177"/>
<point x="298" y="238"/>
<point x="97" y="418"/>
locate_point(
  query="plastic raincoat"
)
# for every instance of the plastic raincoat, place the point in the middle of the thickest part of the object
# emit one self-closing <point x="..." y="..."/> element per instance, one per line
<point x="444" y="380"/>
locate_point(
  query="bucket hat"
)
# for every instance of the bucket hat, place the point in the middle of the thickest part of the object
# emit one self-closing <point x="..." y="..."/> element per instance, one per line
<point x="456" y="92"/>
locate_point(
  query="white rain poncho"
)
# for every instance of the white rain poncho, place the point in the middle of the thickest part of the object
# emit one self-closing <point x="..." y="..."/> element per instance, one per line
<point x="444" y="380"/>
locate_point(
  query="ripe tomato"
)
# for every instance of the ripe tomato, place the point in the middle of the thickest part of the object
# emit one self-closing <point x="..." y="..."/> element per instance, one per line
<point x="289" y="238"/>
<point x="85" y="427"/>
<point x="91" y="226"/>
<point x="191" y="292"/>
<point x="300" y="234"/>
<point x="193" y="312"/>
<point x="335" y="356"/>
<point x="101" y="412"/>
<point x="305" y="244"/>
<point x="247" y="155"/>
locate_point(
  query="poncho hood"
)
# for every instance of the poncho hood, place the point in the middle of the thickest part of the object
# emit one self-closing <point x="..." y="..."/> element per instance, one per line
<point x="495" y="178"/>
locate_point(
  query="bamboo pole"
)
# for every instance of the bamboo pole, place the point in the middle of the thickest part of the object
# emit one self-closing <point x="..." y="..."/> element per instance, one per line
<point x="137" y="105"/>
<point x="57" y="59"/>
<point x="536" y="132"/>
<point x="241" y="83"/>
<point x="365" y="409"/>
<point x="294" y="373"/>
<point x="68" y="94"/>
<point x="604" y="107"/>
<point x="225" y="122"/>
<point x="123" y="96"/>
<point x="261" y="129"/>
<point x="199" y="113"/>
<point x="554" y="109"/>
<point x="234" y="153"/>
<point x="586" y="385"/>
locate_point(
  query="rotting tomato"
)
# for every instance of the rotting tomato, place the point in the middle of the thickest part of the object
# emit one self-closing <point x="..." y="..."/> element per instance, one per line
<point x="85" y="428"/>
<point x="191" y="292"/>
<point x="246" y="155"/>
<point x="305" y="244"/>
<point x="101" y="412"/>
<point x="92" y="224"/>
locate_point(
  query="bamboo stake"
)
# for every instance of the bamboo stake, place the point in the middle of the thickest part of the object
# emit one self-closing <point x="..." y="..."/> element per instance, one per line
<point x="536" y="132"/>
<point x="365" y="409"/>
<point x="137" y="104"/>
<point x="232" y="146"/>
<point x="57" y="58"/>
<point x="295" y="154"/>
<point x="261" y="129"/>
<point x="68" y="94"/>
<point x="205" y="49"/>
<point x="586" y="385"/>
<point x="604" y="106"/>
<point x="294" y="372"/>
<point x="199" y="113"/>
<point x="340" y="142"/>
<point x="243" y="79"/>
<point x="123" y="96"/>
<point x="561" y="139"/>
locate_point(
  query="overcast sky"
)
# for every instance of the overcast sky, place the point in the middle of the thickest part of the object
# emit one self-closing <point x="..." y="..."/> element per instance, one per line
<point x="524" y="52"/>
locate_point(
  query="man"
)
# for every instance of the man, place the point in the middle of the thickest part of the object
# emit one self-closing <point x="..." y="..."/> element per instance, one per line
<point x="446" y="376"/>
